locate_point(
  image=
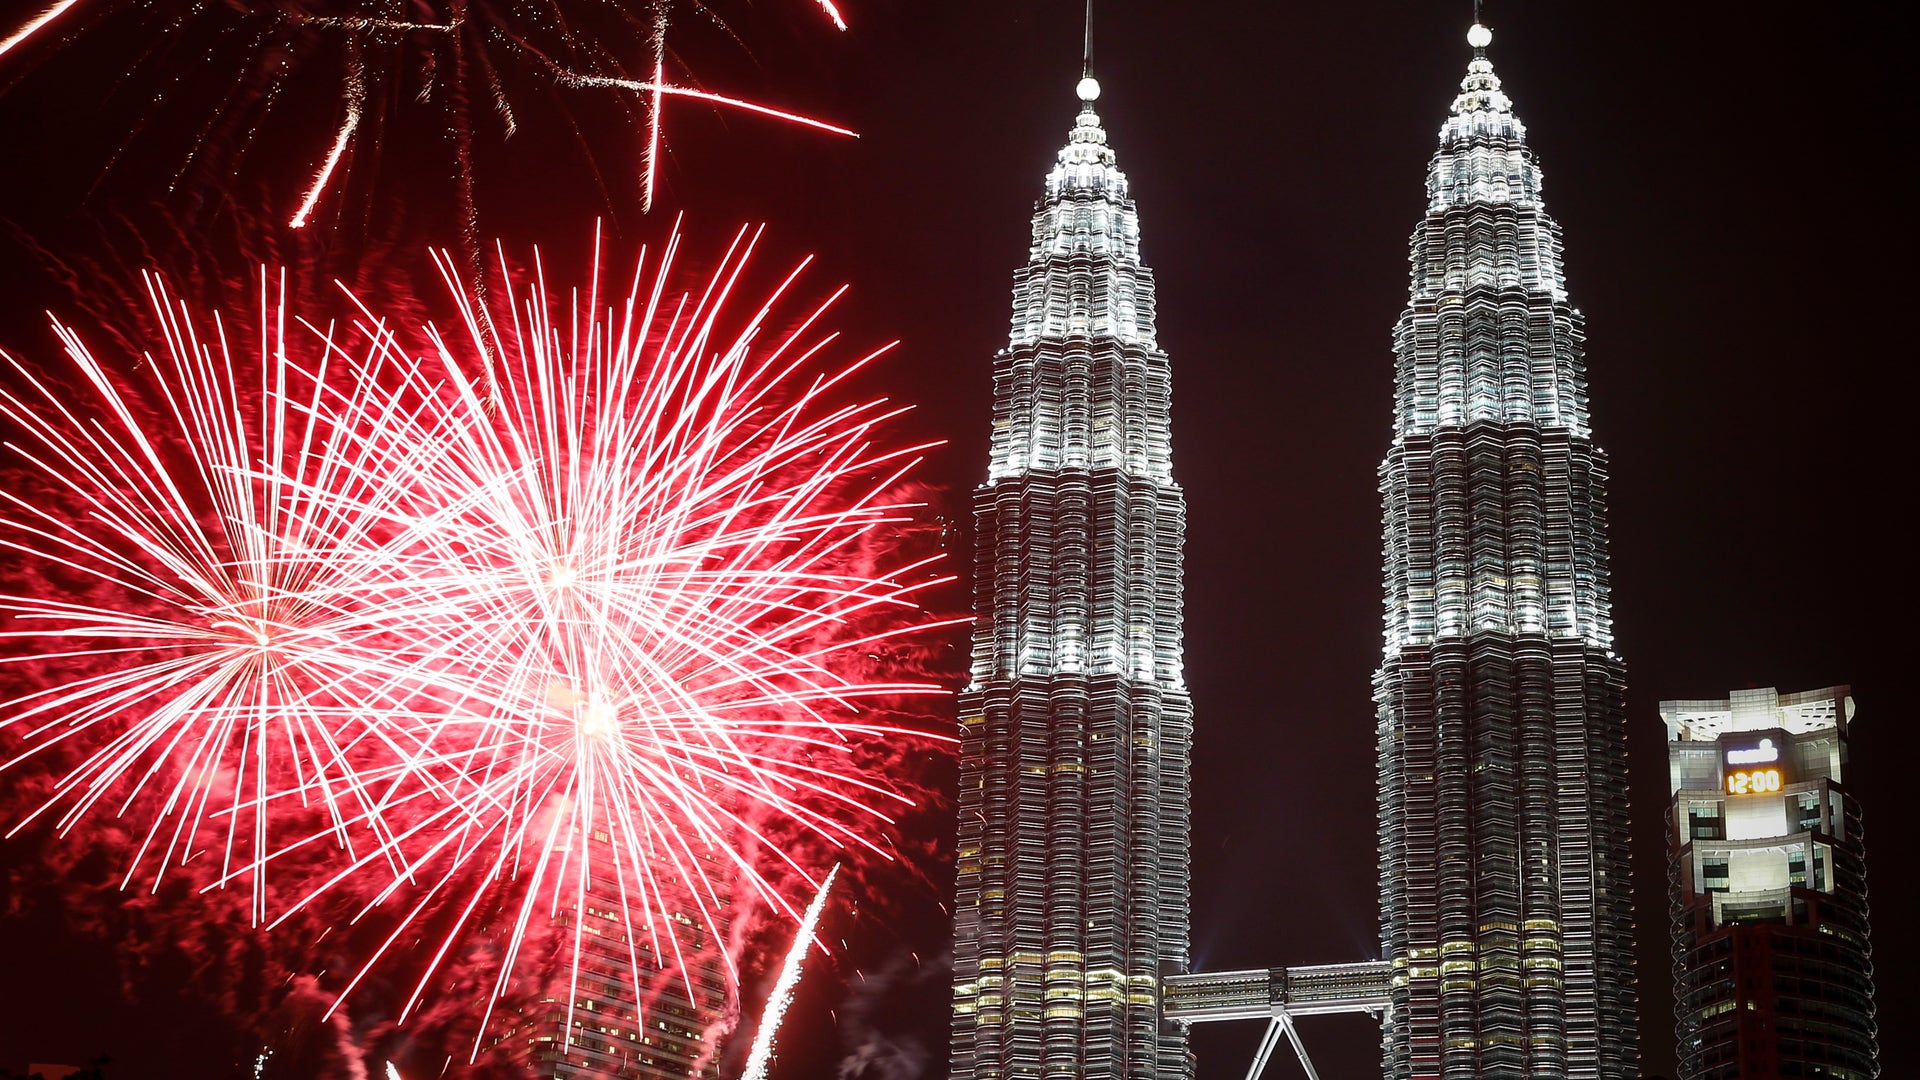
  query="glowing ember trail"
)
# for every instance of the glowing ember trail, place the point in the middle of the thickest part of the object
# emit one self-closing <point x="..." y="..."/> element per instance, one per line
<point x="53" y="12"/>
<point x="356" y="94"/>
<point x="659" y="89"/>
<point x="604" y="638"/>
<point x="650" y="157"/>
<point x="760" y="1057"/>
<point x="574" y="79"/>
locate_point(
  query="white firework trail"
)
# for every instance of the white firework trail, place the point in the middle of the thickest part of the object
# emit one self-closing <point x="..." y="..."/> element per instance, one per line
<point x="761" y="1055"/>
<point x="356" y="97"/>
<point x="576" y="79"/>
<point x="51" y="13"/>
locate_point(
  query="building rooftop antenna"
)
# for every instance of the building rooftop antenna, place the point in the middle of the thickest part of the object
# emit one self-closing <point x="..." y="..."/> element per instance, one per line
<point x="1086" y="48"/>
<point x="1089" y="87"/>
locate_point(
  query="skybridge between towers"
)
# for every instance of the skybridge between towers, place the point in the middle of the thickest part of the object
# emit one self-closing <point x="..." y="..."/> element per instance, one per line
<point x="1280" y="996"/>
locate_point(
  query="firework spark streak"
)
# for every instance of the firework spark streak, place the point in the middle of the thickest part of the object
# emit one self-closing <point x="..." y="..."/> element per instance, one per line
<point x="34" y="26"/>
<point x="656" y="87"/>
<point x="592" y="640"/>
<point x="760" y="1057"/>
<point x="657" y="90"/>
<point x="650" y="157"/>
<point x="356" y="95"/>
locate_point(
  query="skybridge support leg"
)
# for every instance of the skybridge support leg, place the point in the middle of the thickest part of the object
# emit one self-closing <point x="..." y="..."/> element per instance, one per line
<point x="1299" y="1048"/>
<point x="1267" y="1042"/>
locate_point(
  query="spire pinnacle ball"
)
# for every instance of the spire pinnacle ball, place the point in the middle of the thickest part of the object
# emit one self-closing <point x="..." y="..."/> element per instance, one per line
<point x="1088" y="89"/>
<point x="1479" y="36"/>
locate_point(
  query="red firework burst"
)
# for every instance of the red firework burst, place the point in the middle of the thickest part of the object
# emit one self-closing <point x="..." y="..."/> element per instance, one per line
<point x="499" y="644"/>
<point x="217" y="682"/>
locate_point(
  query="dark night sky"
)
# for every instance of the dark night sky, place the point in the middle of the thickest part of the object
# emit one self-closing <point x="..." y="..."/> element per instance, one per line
<point x="1735" y="182"/>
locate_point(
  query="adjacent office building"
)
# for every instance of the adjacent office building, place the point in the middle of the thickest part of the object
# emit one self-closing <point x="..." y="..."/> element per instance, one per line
<point x="1768" y="885"/>
<point x="1075" y="726"/>
<point x="651" y="996"/>
<point x="1505" y="899"/>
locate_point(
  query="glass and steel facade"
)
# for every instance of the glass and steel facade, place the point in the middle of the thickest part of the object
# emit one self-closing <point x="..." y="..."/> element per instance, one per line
<point x="1072" y="864"/>
<point x="1506" y="908"/>
<point x="1767" y="879"/>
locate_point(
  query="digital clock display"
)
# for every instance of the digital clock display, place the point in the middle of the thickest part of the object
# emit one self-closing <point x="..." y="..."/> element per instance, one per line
<point x="1753" y="781"/>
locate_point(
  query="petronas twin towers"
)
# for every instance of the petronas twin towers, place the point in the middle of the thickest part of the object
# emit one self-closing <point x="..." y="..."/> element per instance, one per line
<point x="1503" y="844"/>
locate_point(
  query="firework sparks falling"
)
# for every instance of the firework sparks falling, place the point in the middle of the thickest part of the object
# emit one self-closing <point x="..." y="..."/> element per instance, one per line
<point x="655" y="91"/>
<point x="760" y="1057"/>
<point x="465" y="51"/>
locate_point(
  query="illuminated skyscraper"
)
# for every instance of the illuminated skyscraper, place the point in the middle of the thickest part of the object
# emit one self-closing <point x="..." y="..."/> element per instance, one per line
<point x="1768" y="882"/>
<point x="1076" y="726"/>
<point x="1503" y="813"/>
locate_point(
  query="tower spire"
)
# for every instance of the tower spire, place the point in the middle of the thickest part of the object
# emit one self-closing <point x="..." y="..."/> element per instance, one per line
<point x="1086" y="47"/>
<point x="1088" y="88"/>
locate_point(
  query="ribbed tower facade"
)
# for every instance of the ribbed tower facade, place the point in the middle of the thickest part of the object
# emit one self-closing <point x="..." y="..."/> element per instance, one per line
<point x="1076" y="726"/>
<point x="1505" y="898"/>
